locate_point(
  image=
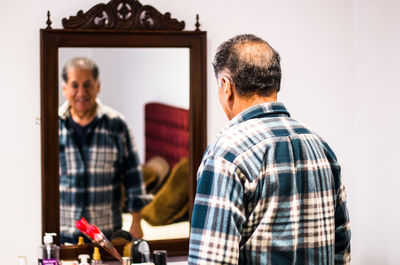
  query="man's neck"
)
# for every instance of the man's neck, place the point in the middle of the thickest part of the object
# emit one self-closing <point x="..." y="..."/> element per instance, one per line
<point x="83" y="118"/>
<point x="244" y="103"/>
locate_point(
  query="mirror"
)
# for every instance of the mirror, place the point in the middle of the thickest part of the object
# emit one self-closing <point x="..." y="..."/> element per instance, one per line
<point x="143" y="28"/>
<point x="143" y="76"/>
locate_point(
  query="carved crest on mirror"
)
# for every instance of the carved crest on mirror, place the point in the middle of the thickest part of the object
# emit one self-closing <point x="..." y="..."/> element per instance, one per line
<point x="123" y="14"/>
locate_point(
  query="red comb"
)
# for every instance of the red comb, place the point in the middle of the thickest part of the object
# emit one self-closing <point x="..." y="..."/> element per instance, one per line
<point x="83" y="226"/>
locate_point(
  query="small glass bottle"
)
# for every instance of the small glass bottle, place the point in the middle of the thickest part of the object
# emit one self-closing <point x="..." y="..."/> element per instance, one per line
<point x="126" y="261"/>
<point x="84" y="259"/>
<point x="22" y="260"/>
<point x="160" y="257"/>
<point x="140" y="251"/>
<point x="96" y="257"/>
<point x="81" y="241"/>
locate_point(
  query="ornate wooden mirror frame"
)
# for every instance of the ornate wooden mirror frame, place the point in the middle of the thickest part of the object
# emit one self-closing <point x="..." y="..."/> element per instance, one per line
<point x="119" y="23"/>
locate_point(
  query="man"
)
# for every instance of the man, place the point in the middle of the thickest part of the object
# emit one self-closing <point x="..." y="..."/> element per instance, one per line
<point x="269" y="190"/>
<point x="97" y="156"/>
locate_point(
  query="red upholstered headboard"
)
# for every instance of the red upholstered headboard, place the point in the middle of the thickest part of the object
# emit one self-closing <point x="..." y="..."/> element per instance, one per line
<point x="166" y="132"/>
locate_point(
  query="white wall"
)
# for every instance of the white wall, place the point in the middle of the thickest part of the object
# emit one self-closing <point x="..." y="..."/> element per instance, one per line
<point x="376" y="104"/>
<point x="339" y="63"/>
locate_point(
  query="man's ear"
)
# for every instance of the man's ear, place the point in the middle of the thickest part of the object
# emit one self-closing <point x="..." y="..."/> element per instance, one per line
<point x="64" y="87"/>
<point x="227" y="87"/>
<point x="98" y="86"/>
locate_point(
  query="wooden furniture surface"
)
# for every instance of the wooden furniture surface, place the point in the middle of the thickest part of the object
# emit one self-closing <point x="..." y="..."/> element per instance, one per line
<point x="119" y="23"/>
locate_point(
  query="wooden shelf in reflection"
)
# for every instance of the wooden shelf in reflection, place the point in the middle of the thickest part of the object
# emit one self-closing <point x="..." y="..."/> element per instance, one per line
<point x="175" y="247"/>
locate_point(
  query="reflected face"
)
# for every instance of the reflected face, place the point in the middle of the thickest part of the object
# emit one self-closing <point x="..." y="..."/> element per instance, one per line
<point x="81" y="90"/>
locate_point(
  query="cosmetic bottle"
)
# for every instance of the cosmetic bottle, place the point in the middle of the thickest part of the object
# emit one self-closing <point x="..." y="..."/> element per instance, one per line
<point x="96" y="257"/>
<point x="126" y="261"/>
<point x="69" y="262"/>
<point x="84" y="259"/>
<point x="22" y="260"/>
<point x="140" y="251"/>
<point x="160" y="257"/>
<point x="81" y="241"/>
<point x="49" y="253"/>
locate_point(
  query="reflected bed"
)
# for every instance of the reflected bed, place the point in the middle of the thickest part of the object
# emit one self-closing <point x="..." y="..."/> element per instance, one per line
<point x="171" y="231"/>
<point x="166" y="137"/>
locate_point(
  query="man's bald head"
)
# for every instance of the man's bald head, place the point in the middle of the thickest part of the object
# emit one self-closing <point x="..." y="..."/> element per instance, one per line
<point x="251" y="63"/>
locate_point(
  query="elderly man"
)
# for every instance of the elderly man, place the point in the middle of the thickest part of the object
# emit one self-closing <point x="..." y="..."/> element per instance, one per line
<point x="269" y="189"/>
<point x="97" y="156"/>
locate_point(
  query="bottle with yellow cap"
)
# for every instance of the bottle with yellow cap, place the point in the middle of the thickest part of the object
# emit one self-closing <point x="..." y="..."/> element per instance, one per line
<point x="96" y="257"/>
<point x="81" y="241"/>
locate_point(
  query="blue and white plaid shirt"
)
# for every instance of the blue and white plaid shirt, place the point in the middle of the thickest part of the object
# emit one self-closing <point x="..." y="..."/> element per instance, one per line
<point x="269" y="191"/>
<point x="91" y="178"/>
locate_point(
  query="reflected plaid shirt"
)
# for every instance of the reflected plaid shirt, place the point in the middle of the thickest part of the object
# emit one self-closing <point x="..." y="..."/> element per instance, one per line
<point x="269" y="191"/>
<point x="91" y="178"/>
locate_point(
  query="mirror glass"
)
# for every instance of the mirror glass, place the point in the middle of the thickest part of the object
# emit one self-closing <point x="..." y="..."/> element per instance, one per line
<point x="129" y="79"/>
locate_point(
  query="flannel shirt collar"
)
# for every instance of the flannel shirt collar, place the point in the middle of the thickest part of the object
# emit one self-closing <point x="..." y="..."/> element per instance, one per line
<point x="64" y="110"/>
<point x="272" y="109"/>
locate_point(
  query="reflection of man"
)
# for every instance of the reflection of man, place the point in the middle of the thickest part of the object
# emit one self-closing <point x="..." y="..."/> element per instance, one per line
<point x="269" y="190"/>
<point x="97" y="156"/>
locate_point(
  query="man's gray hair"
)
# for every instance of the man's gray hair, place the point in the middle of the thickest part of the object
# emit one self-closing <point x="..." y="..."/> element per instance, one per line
<point x="80" y="63"/>
<point x="251" y="63"/>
